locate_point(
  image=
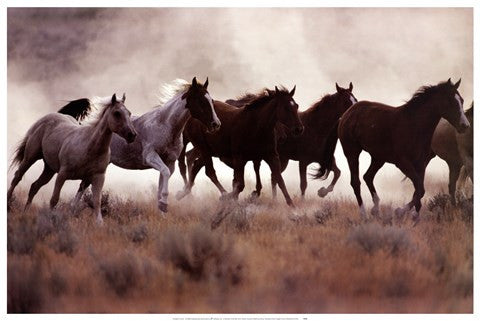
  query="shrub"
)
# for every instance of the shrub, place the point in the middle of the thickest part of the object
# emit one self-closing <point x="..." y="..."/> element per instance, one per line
<point x="24" y="287"/>
<point x="21" y="235"/>
<point x="122" y="273"/>
<point x="202" y="254"/>
<point x="372" y="237"/>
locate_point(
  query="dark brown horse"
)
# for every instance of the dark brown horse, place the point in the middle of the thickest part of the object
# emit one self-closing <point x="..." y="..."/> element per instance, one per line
<point x="247" y="134"/>
<point x="308" y="147"/>
<point x="401" y="136"/>
<point x="456" y="149"/>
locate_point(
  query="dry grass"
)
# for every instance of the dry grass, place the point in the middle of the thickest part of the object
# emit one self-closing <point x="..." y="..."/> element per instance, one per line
<point x="261" y="258"/>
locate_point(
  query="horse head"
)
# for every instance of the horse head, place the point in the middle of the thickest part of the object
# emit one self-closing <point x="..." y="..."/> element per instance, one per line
<point x="345" y="97"/>
<point x="119" y="120"/>
<point x="200" y="105"/>
<point x="287" y="109"/>
<point x="450" y="106"/>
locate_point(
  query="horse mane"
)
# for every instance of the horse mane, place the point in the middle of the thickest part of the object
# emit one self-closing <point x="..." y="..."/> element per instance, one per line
<point x="469" y="111"/>
<point x="424" y="93"/>
<point x="101" y="105"/>
<point x="322" y="102"/>
<point x="78" y="109"/>
<point x="170" y="90"/>
<point x="262" y="97"/>
<point x="241" y="101"/>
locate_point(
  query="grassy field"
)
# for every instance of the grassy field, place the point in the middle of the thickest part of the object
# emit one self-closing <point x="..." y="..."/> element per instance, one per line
<point x="262" y="258"/>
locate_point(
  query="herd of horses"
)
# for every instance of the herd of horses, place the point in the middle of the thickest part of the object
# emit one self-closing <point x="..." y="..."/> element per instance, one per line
<point x="254" y="127"/>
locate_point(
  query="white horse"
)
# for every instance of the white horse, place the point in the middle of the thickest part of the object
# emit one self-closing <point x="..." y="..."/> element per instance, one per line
<point x="159" y="141"/>
<point x="72" y="150"/>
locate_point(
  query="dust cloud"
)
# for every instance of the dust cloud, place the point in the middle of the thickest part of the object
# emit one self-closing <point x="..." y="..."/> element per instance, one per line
<point x="59" y="54"/>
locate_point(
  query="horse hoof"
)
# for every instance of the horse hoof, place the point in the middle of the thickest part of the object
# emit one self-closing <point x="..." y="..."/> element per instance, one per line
<point x="99" y="221"/>
<point x="163" y="207"/>
<point x="255" y="194"/>
<point x="180" y="195"/>
<point x="375" y="211"/>
<point x="415" y="218"/>
<point x="322" y="192"/>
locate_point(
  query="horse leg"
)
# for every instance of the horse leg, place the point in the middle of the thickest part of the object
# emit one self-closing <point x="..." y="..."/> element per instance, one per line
<point x="97" y="186"/>
<point x="276" y="169"/>
<point x="375" y="166"/>
<point x="352" y="158"/>
<point x="238" y="183"/>
<point x="454" y="172"/>
<point x="182" y="167"/>
<point x="44" y="178"/>
<point x="81" y="190"/>
<point x="416" y="175"/>
<point x="154" y="161"/>
<point x="22" y="168"/>
<point x="302" y="168"/>
<point x="194" y="168"/>
<point x="210" y="171"/>
<point x="322" y="192"/>
<point x="258" y="185"/>
<point x="61" y="178"/>
<point x="283" y="165"/>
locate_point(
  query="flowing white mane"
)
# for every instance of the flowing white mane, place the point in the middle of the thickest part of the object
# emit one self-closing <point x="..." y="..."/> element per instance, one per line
<point x="98" y="104"/>
<point x="170" y="90"/>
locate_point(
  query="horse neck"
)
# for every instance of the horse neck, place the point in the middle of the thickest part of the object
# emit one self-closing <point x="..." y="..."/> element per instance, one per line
<point x="422" y="120"/>
<point x="264" y="118"/>
<point x="322" y="114"/>
<point x="174" y="113"/>
<point x="101" y="135"/>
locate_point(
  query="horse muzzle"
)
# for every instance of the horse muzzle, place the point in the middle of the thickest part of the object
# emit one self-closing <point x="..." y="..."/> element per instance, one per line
<point x="214" y="126"/>
<point x="130" y="137"/>
<point x="463" y="126"/>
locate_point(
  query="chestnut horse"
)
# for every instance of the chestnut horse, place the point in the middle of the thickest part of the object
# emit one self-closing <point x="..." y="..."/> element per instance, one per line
<point x="247" y="134"/>
<point x="401" y="136"/>
<point x="456" y="149"/>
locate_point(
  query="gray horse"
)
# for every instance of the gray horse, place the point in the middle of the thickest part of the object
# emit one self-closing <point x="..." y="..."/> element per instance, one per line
<point x="456" y="149"/>
<point x="159" y="140"/>
<point x="72" y="150"/>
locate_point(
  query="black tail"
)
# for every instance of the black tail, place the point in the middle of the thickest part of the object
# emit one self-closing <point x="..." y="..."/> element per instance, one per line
<point x="19" y="153"/>
<point x="327" y="159"/>
<point x="78" y="109"/>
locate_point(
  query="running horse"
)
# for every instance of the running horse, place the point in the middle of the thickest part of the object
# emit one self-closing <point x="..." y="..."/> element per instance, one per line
<point x="401" y="136"/>
<point x="72" y="150"/>
<point x="247" y="134"/>
<point x="456" y="149"/>
<point x="159" y="140"/>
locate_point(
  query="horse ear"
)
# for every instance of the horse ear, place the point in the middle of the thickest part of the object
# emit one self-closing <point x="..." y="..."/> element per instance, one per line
<point x="194" y="81"/>
<point x="338" y="87"/>
<point x="293" y="91"/>
<point x="276" y="90"/>
<point x="123" y="98"/>
<point x="450" y="81"/>
<point x="458" y="83"/>
<point x="114" y="99"/>
<point x="350" y="88"/>
<point x="205" y="85"/>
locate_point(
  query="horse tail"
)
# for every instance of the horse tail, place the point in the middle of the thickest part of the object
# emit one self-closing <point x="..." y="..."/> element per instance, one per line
<point x="326" y="163"/>
<point x="19" y="153"/>
<point x="78" y="109"/>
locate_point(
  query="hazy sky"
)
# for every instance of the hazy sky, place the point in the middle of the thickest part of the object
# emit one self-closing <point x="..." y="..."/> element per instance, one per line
<point x="56" y="55"/>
